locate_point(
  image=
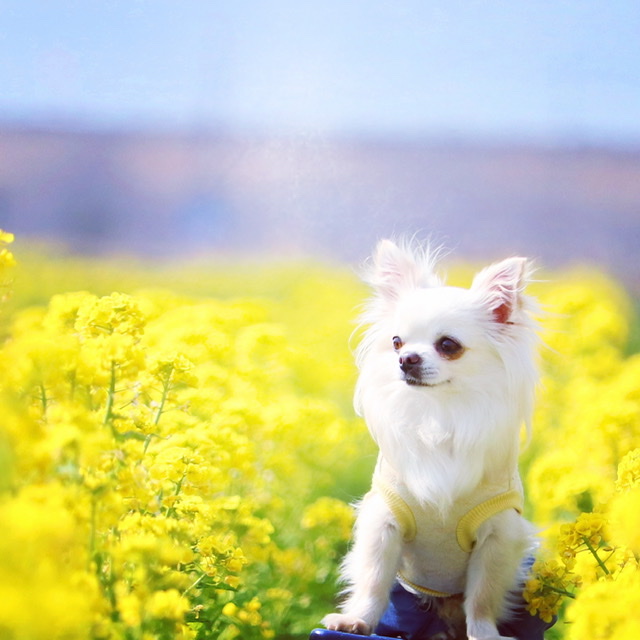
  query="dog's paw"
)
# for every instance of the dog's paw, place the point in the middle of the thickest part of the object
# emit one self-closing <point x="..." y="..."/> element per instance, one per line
<point x="346" y="623"/>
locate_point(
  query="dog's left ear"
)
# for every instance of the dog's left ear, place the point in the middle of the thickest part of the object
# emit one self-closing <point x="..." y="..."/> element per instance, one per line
<point x="500" y="286"/>
<point x="400" y="267"/>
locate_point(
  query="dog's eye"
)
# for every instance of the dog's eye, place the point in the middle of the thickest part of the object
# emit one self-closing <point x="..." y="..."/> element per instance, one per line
<point x="397" y="343"/>
<point x="449" y="348"/>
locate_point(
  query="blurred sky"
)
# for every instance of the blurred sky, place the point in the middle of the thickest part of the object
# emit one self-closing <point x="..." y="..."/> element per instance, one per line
<point x="551" y="69"/>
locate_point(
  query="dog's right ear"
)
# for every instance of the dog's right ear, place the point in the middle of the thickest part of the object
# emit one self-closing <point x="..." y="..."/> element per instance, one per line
<point x="398" y="268"/>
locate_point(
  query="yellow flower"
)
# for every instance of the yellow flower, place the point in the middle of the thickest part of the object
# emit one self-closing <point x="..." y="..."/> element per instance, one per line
<point x="6" y="237"/>
<point x="606" y="610"/>
<point x="6" y="259"/>
<point x="334" y="517"/>
<point x="233" y="581"/>
<point x="236" y="561"/>
<point x="130" y="609"/>
<point x="543" y="592"/>
<point x="589" y="527"/>
<point x="43" y="566"/>
<point x="249" y="613"/>
<point x="277" y="593"/>
<point x="117" y="313"/>
<point x="167" y="605"/>
<point x="230" y="609"/>
<point x="624" y="515"/>
<point x="7" y="262"/>
<point x="569" y="536"/>
<point x="629" y="471"/>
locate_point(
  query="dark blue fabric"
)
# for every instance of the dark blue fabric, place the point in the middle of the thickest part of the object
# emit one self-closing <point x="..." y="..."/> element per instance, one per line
<point x="326" y="634"/>
<point x="407" y="618"/>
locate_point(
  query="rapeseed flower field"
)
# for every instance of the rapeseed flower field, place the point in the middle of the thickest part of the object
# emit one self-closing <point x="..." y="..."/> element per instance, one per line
<point x="178" y="452"/>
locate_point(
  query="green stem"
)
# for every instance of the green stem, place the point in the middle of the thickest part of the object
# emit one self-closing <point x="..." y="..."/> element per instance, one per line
<point x="165" y="394"/>
<point x="147" y="442"/>
<point x="72" y="385"/>
<point x="594" y="553"/>
<point x="43" y="398"/>
<point x="195" y="584"/>
<point x="108" y="415"/>
<point x="92" y="534"/>
<point x="179" y="483"/>
<point x="562" y="592"/>
<point x="171" y="512"/>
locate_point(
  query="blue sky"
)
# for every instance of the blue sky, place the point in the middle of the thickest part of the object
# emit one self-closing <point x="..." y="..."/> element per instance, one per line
<point x="547" y="69"/>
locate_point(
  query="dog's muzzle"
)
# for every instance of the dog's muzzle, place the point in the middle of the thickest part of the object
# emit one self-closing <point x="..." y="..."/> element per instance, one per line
<point x="411" y="365"/>
<point x="415" y="372"/>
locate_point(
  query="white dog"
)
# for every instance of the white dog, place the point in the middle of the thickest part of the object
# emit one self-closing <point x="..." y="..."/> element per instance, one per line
<point x="447" y="379"/>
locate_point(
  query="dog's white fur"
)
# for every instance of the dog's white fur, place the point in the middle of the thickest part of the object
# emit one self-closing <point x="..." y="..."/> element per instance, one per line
<point x="459" y="427"/>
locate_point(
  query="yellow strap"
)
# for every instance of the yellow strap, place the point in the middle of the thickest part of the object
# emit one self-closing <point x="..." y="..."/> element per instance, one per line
<point x="467" y="528"/>
<point x="400" y="509"/>
<point x="468" y="525"/>
<point x="425" y="590"/>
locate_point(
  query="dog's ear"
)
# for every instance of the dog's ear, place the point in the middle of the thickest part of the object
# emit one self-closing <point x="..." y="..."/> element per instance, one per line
<point x="397" y="268"/>
<point x="500" y="287"/>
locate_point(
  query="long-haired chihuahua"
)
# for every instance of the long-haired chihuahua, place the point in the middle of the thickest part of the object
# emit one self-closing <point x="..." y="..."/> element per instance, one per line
<point x="446" y="384"/>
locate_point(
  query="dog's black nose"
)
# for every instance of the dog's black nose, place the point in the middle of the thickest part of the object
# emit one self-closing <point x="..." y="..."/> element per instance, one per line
<point x="410" y="362"/>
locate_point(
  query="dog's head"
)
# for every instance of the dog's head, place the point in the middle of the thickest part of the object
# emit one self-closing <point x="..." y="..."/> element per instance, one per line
<point x="441" y="340"/>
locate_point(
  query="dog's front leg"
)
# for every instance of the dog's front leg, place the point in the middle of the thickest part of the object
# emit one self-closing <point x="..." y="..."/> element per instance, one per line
<point x="369" y="568"/>
<point x="494" y="566"/>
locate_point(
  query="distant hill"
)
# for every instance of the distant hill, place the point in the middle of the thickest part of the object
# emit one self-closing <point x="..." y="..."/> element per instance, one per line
<point x="178" y="194"/>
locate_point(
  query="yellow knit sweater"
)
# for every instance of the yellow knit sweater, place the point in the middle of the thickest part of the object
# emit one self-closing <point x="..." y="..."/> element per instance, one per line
<point x="436" y="549"/>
